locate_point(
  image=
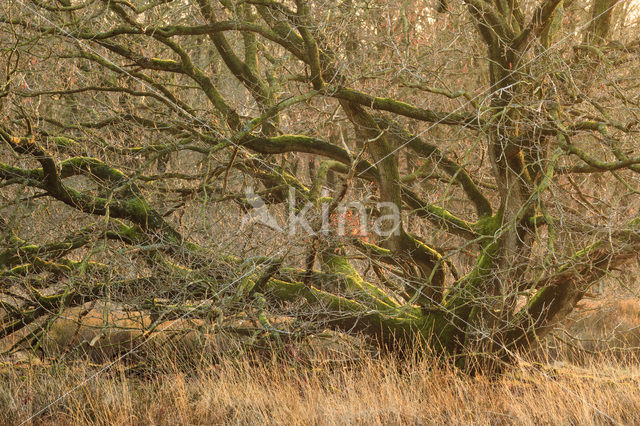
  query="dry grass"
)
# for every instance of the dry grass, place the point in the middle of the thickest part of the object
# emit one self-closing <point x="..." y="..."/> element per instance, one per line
<point x="368" y="391"/>
<point x="186" y="381"/>
<point x="607" y="326"/>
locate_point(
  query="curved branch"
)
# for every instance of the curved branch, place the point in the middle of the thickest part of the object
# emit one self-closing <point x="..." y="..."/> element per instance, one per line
<point x="404" y="109"/>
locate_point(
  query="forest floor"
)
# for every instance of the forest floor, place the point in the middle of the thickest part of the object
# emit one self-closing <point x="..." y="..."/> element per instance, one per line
<point x="169" y="386"/>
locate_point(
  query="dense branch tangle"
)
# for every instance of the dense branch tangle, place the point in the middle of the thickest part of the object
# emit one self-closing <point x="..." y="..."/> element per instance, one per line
<point x="152" y="115"/>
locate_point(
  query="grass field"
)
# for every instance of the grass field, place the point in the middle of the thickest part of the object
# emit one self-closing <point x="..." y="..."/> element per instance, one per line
<point x="183" y="383"/>
<point x="368" y="391"/>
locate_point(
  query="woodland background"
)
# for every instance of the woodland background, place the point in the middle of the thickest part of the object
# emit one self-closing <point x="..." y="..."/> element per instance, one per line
<point x="149" y="151"/>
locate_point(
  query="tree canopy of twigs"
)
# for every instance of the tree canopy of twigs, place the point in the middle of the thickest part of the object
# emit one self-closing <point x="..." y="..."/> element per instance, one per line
<point x="457" y="175"/>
